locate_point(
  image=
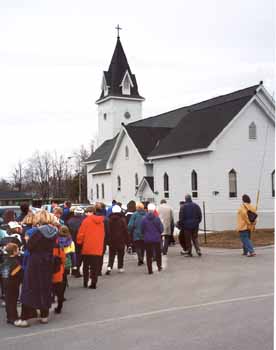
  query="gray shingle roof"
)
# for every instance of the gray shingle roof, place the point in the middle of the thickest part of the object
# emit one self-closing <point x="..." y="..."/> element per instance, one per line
<point x="103" y="151"/>
<point x="184" y="129"/>
<point x="203" y="122"/>
<point x="146" y="138"/>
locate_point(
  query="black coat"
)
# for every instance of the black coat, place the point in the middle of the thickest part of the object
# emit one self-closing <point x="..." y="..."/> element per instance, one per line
<point x="117" y="232"/>
<point x="189" y="216"/>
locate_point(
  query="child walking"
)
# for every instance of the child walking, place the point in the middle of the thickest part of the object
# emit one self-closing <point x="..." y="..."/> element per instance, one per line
<point x="58" y="275"/>
<point x="11" y="271"/>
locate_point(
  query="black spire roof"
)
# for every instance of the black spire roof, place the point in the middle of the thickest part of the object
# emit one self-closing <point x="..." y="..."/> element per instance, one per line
<point x="115" y="74"/>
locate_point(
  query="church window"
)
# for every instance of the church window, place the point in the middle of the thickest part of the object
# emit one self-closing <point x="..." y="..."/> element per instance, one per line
<point x="105" y="116"/>
<point x="252" y="131"/>
<point x="102" y="191"/>
<point x="232" y="183"/>
<point x="194" y="184"/>
<point x="118" y="183"/>
<point x="97" y="191"/>
<point x="126" y="86"/>
<point x="136" y="182"/>
<point x="273" y="183"/>
<point x="105" y="90"/>
<point x="126" y="152"/>
<point x="166" y="186"/>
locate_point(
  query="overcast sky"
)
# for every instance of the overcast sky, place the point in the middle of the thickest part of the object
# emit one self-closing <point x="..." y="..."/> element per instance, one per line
<point x="52" y="54"/>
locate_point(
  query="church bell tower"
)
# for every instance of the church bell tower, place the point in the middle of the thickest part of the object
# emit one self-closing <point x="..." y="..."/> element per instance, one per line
<point x="120" y="101"/>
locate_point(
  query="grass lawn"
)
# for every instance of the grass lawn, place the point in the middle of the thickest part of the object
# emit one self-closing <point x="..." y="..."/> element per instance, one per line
<point x="231" y="239"/>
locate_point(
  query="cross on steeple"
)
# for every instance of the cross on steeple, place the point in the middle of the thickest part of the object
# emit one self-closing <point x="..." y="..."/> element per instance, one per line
<point x="118" y="29"/>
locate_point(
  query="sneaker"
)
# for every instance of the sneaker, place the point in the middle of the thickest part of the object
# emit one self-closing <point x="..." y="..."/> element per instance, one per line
<point x="251" y="254"/>
<point x="108" y="271"/>
<point x="140" y="263"/>
<point x="44" y="320"/>
<point x="121" y="270"/>
<point x="57" y="310"/>
<point x="21" y="323"/>
<point x="199" y="253"/>
<point x="92" y="286"/>
<point x="150" y="273"/>
<point x="183" y="252"/>
<point x="129" y="250"/>
<point x="160" y="269"/>
<point x="3" y="304"/>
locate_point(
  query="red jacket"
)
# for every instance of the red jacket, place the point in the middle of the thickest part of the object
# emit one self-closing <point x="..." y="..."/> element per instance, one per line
<point x="91" y="235"/>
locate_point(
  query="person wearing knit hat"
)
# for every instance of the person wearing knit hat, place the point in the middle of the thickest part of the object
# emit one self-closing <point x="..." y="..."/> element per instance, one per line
<point x="117" y="238"/>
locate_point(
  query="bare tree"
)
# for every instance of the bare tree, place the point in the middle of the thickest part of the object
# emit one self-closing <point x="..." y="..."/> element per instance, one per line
<point x="17" y="175"/>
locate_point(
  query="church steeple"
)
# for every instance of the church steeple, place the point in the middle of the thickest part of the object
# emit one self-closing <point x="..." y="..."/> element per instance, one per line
<point x="120" y="101"/>
<point x="119" y="80"/>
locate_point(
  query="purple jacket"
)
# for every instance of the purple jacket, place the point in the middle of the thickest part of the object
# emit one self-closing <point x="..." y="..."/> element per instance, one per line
<point x="151" y="227"/>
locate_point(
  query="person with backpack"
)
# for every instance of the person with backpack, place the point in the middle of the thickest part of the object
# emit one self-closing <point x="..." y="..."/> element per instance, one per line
<point x="246" y="221"/>
<point x="58" y="278"/>
<point x="67" y="244"/>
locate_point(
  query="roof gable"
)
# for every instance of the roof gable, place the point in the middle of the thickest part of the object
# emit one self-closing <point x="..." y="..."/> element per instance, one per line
<point x="146" y="138"/>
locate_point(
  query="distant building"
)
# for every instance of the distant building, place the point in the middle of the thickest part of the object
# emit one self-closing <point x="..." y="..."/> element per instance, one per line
<point x="216" y="150"/>
<point x="15" y="198"/>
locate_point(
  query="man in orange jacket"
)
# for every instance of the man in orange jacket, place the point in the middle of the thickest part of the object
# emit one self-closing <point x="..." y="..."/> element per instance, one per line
<point x="91" y="237"/>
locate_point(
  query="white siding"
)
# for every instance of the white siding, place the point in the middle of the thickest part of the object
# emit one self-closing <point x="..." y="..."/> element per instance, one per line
<point x="115" y="110"/>
<point x="126" y="169"/>
<point x="233" y="150"/>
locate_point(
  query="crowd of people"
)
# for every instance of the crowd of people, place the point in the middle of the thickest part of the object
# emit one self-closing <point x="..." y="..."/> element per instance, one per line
<point x="39" y="251"/>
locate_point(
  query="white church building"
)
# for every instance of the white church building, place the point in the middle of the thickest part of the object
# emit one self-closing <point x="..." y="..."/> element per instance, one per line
<point x="216" y="150"/>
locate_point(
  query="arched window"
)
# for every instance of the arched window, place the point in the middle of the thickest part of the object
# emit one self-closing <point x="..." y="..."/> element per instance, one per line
<point x="194" y="184"/>
<point x="232" y="183"/>
<point x="97" y="191"/>
<point x="166" y="186"/>
<point x="118" y="183"/>
<point x="136" y="182"/>
<point x="126" y="152"/>
<point x="252" y="131"/>
<point x="102" y="191"/>
<point x="273" y="183"/>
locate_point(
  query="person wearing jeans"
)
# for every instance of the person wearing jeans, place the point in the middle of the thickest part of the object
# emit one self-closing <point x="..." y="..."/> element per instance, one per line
<point x="245" y="227"/>
<point x="152" y="228"/>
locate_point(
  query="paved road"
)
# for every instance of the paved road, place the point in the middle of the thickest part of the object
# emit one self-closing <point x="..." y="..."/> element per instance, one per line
<point x="219" y="301"/>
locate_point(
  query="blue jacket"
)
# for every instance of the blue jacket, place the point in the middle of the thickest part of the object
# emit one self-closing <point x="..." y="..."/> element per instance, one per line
<point x="134" y="225"/>
<point x="189" y="216"/>
<point x="151" y="228"/>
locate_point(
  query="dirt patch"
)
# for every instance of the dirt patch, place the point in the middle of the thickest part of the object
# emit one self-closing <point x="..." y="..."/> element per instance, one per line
<point x="231" y="239"/>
